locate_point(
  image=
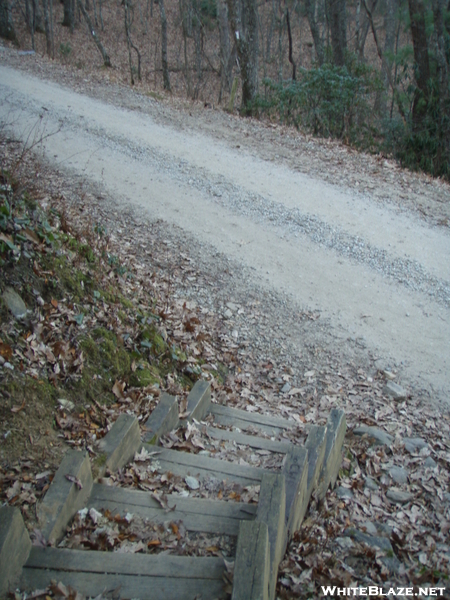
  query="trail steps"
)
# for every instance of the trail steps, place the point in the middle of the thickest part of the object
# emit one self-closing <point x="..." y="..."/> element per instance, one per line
<point x="262" y="530"/>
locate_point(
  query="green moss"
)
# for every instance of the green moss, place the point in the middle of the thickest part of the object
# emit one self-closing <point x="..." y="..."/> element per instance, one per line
<point x="151" y="339"/>
<point x="143" y="377"/>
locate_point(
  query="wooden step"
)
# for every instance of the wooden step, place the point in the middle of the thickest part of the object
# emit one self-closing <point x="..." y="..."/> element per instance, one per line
<point x="262" y="530"/>
<point x="204" y="467"/>
<point x="197" y="514"/>
<point x="152" y="577"/>
<point x="241" y="419"/>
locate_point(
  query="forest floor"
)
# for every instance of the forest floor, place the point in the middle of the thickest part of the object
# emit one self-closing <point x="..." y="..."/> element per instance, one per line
<point x="295" y="274"/>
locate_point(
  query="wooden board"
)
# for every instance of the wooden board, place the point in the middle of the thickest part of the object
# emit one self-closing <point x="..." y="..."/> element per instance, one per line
<point x="201" y="515"/>
<point x="272" y="510"/>
<point x="163" y="419"/>
<point x="336" y="427"/>
<point x="198" y="401"/>
<point x="296" y="474"/>
<point x="183" y="463"/>
<point x="121" y="442"/>
<point x="65" y="497"/>
<point x="252" y="564"/>
<point x="152" y="577"/>
<point x="248" y="440"/>
<point x="15" y="546"/>
<point x="226" y="416"/>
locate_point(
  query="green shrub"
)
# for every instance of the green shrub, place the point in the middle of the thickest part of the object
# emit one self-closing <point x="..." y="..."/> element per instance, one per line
<point x="330" y="101"/>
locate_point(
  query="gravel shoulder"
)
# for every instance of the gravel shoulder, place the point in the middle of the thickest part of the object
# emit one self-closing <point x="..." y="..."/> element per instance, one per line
<point x="345" y="255"/>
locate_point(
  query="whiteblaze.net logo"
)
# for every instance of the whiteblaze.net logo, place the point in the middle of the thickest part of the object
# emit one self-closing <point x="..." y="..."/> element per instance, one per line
<point x="374" y="590"/>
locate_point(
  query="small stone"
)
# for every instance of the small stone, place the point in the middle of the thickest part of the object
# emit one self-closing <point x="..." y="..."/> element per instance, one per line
<point x="343" y="493"/>
<point x="344" y="542"/>
<point x="395" y="391"/>
<point x="286" y="388"/>
<point x="9" y="366"/>
<point x="413" y="445"/>
<point x="371" y="484"/>
<point x="191" y="482"/>
<point x="15" y="303"/>
<point x="232" y="306"/>
<point x="399" y="475"/>
<point x="228" y="314"/>
<point x="399" y="497"/>
<point x="430" y="463"/>
<point x="381" y="437"/>
<point x="66" y="404"/>
<point x="389" y="375"/>
<point x="375" y="541"/>
<point x="370" y="528"/>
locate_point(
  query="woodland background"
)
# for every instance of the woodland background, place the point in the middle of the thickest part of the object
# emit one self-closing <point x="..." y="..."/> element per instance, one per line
<point x="373" y="73"/>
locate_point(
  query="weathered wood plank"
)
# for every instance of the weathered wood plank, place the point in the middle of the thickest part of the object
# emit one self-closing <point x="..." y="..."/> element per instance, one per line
<point x="150" y="565"/>
<point x="121" y="442"/>
<point x="272" y="511"/>
<point x="316" y="445"/>
<point x="15" y="546"/>
<point x="197" y="514"/>
<point x="199" y="401"/>
<point x="248" y="440"/>
<point x="336" y="427"/>
<point x="224" y="415"/>
<point x="252" y="563"/>
<point x="65" y="497"/>
<point x="163" y="419"/>
<point x="126" y="586"/>
<point x="183" y="463"/>
<point x="296" y="475"/>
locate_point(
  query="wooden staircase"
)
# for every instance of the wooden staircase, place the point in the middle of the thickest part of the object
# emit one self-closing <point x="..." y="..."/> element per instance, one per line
<point x="262" y="530"/>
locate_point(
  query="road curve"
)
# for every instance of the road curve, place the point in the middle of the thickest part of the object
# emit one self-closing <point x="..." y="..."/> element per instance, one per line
<point x="379" y="275"/>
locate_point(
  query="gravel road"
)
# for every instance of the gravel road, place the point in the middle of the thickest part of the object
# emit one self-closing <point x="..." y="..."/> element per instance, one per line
<point x="377" y="272"/>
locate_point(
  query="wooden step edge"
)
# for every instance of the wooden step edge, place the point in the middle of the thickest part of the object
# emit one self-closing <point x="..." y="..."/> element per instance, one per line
<point x="336" y="428"/>
<point x="252" y="417"/>
<point x="163" y="419"/>
<point x="68" y="493"/>
<point x="316" y="445"/>
<point x="252" y="563"/>
<point x="296" y="473"/>
<point x="144" y="576"/>
<point x="119" y="445"/>
<point x="272" y="511"/>
<point x="15" y="547"/>
<point x="248" y="440"/>
<point x="198" y="401"/>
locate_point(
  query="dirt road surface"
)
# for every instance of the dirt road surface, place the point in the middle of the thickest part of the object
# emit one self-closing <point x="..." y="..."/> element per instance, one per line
<point x="377" y="271"/>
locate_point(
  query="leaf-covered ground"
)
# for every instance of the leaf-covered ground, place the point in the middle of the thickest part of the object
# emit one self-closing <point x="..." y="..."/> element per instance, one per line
<point x="113" y="318"/>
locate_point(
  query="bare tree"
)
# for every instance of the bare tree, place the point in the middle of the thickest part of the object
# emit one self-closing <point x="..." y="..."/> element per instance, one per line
<point x="244" y="21"/>
<point x="310" y="6"/>
<point x="421" y="59"/>
<point x="165" y="65"/>
<point x="6" y="23"/>
<point x="69" y="14"/>
<point x="338" y="28"/>
<point x="47" y="26"/>
<point x="130" y="45"/>
<point x="106" y="59"/>
<point x="226" y="54"/>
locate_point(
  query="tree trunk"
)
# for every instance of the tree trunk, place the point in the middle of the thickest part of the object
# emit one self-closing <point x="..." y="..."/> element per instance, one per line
<point x="338" y="27"/>
<point x="390" y="26"/>
<point x="422" y="63"/>
<point x="48" y="34"/>
<point x="310" y="6"/>
<point x="106" y="59"/>
<point x="68" y="18"/>
<point x="225" y="46"/>
<point x="244" y="20"/>
<point x="165" y="66"/>
<point x="6" y="23"/>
